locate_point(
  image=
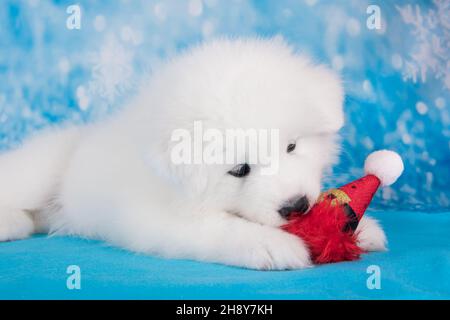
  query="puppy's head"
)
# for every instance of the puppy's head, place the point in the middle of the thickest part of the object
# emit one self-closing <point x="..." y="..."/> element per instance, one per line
<point x="258" y="88"/>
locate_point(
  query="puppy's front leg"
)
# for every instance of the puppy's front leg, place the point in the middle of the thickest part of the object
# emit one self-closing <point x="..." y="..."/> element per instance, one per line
<point x="371" y="236"/>
<point x="223" y="238"/>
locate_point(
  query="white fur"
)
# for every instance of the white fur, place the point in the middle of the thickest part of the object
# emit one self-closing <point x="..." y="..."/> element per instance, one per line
<point x="114" y="180"/>
<point x="371" y="236"/>
<point x="15" y="224"/>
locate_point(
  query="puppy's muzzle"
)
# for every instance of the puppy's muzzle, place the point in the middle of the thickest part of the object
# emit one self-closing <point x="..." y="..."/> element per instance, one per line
<point x="296" y="206"/>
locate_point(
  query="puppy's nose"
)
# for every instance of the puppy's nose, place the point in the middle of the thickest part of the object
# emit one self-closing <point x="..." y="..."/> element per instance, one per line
<point x="299" y="205"/>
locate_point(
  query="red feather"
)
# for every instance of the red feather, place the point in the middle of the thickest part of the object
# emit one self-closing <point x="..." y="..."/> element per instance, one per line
<point x="322" y="230"/>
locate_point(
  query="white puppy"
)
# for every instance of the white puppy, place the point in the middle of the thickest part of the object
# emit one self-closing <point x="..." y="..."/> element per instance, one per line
<point x="117" y="180"/>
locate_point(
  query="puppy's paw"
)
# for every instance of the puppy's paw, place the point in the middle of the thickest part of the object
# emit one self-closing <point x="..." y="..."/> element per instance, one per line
<point x="275" y="249"/>
<point x="371" y="236"/>
<point x="15" y="224"/>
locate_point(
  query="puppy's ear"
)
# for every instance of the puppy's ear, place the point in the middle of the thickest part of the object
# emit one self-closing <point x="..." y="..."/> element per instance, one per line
<point x="330" y="99"/>
<point x="192" y="178"/>
<point x="174" y="162"/>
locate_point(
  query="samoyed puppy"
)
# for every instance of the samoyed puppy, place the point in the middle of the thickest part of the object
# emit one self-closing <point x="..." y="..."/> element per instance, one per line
<point x="144" y="178"/>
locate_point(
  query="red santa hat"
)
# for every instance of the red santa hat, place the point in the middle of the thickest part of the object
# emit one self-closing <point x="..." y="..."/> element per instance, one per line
<point x="329" y="227"/>
<point x="382" y="168"/>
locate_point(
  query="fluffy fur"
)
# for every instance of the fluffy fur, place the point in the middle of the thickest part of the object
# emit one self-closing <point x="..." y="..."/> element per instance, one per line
<point x="114" y="180"/>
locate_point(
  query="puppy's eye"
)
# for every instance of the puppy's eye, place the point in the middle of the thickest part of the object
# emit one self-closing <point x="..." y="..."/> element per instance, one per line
<point x="291" y="147"/>
<point x="240" y="170"/>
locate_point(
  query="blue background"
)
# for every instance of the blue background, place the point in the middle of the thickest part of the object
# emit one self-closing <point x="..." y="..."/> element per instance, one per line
<point x="397" y="78"/>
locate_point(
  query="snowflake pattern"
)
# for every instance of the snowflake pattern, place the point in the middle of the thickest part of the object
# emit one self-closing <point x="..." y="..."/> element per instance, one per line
<point x="431" y="54"/>
<point x="112" y="70"/>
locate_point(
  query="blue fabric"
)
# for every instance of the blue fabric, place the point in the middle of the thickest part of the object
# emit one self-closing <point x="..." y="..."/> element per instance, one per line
<point x="397" y="77"/>
<point x="417" y="266"/>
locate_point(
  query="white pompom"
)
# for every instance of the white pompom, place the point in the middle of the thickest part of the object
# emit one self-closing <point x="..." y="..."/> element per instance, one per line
<point x="386" y="165"/>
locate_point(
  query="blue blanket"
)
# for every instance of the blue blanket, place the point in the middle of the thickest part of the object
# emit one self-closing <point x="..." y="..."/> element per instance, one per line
<point x="417" y="266"/>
